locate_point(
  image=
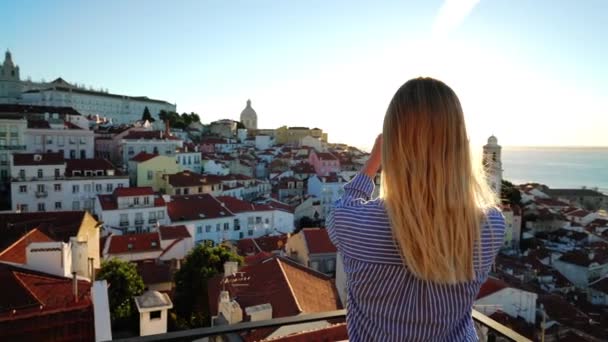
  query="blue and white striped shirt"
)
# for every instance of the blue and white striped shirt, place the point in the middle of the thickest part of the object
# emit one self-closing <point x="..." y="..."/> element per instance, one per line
<point x="385" y="301"/>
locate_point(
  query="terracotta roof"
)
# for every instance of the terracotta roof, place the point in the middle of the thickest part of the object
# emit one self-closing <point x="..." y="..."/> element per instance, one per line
<point x="96" y="164"/>
<point x="38" y="124"/>
<point x="173" y="232"/>
<point x="261" y="244"/>
<point x="28" y="159"/>
<point x="195" y="207"/>
<point x="17" y="251"/>
<point x="133" y="191"/>
<point x="32" y="293"/>
<point x="578" y="213"/>
<point x="257" y="258"/>
<point x="491" y="286"/>
<point x="31" y="109"/>
<point x="134" y="243"/>
<point x="189" y="178"/>
<point x="58" y="225"/>
<point x="143" y="156"/>
<point x="149" y="135"/>
<point x="551" y="202"/>
<point x="154" y="273"/>
<point x="335" y="332"/>
<point x="318" y="241"/>
<point x="289" y="287"/>
<point x="108" y="202"/>
<point x="582" y="258"/>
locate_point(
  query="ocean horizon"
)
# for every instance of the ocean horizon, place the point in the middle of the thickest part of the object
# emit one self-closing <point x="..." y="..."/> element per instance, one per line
<point x="557" y="166"/>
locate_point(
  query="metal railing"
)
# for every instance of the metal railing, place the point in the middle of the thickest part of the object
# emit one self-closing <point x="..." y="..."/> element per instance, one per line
<point x="492" y="330"/>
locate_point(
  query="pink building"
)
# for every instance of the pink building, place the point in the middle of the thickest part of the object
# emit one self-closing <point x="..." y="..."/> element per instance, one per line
<point x="324" y="162"/>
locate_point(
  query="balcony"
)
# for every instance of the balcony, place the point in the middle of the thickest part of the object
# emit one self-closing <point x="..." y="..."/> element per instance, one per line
<point x="487" y="328"/>
<point x="139" y="222"/>
<point x="151" y="221"/>
<point x="12" y="147"/>
<point x="124" y="223"/>
<point x="41" y="194"/>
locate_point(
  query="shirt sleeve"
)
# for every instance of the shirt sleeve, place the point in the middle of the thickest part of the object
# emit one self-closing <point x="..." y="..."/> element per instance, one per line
<point x="356" y="192"/>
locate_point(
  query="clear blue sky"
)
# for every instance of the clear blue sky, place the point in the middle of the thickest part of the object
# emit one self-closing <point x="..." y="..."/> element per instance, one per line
<point x="530" y="72"/>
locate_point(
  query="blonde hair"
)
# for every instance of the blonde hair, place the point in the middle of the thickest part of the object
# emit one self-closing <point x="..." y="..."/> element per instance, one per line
<point x="435" y="200"/>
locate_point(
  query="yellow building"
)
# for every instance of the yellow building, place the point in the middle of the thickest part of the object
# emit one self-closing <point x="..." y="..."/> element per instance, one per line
<point x="292" y="135"/>
<point x="148" y="169"/>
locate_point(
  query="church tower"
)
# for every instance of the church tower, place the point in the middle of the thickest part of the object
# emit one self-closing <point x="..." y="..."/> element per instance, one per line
<point x="493" y="163"/>
<point x="10" y="84"/>
<point x="249" y="117"/>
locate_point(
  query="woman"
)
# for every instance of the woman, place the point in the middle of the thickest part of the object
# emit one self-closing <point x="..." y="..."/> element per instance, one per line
<point x="414" y="258"/>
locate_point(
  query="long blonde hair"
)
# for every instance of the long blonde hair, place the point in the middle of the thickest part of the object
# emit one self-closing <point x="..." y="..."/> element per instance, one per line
<point x="435" y="200"/>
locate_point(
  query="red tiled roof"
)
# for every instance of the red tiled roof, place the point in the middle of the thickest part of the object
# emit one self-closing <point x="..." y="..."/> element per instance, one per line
<point x="261" y="244"/>
<point x="289" y="287"/>
<point x="195" y="207"/>
<point x="578" y="213"/>
<point x="96" y="164"/>
<point x="189" y="178"/>
<point x="551" y="202"/>
<point x="581" y="258"/>
<point x="335" y="332"/>
<point x="108" y="202"/>
<point x="17" y="251"/>
<point x="139" y="243"/>
<point x="257" y="258"/>
<point x="318" y="241"/>
<point x="173" y="232"/>
<point x="491" y="286"/>
<point x="32" y="293"/>
<point x="149" y="135"/>
<point x="28" y="159"/>
<point x="58" y="225"/>
<point x="133" y="191"/>
<point x="36" y="124"/>
<point x="143" y="156"/>
<point x="154" y="273"/>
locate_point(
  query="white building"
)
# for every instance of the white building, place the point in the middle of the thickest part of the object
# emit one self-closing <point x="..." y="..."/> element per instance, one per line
<point x="153" y="307"/>
<point x="582" y="267"/>
<point x="154" y="142"/>
<point x="495" y="295"/>
<point x="313" y="142"/>
<point x="131" y="210"/>
<point x="263" y="142"/>
<point x="189" y="158"/>
<point x="312" y="248"/>
<point x="327" y="189"/>
<point x="47" y="182"/>
<point x="12" y="140"/>
<point x="493" y="163"/>
<point x="56" y="134"/>
<point x="249" y="117"/>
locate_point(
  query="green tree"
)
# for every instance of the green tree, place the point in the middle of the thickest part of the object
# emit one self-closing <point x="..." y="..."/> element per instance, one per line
<point x="201" y="264"/>
<point x="240" y="125"/>
<point x="147" y="116"/>
<point x="510" y="192"/>
<point x="124" y="283"/>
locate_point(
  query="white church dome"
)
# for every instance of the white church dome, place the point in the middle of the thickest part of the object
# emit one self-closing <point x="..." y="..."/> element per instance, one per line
<point x="492" y="140"/>
<point x="249" y="117"/>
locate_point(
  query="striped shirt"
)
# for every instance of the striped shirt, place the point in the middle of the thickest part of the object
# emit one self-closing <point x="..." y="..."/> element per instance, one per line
<point x="385" y="301"/>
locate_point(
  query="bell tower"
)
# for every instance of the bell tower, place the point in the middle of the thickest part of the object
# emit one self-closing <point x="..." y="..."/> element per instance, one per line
<point x="10" y="83"/>
<point x="492" y="162"/>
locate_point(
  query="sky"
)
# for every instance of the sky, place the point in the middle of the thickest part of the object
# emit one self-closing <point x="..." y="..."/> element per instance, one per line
<point x="533" y="73"/>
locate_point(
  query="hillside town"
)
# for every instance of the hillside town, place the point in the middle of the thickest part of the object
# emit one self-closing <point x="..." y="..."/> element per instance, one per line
<point x="94" y="184"/>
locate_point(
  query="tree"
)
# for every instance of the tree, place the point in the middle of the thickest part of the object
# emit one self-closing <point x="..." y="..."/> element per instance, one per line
<point x="124" y="283"/>
<point x="510" y="192"/>
<point x="147" y="116"/>
<point x="240" y="125"/>
<point x="201" y="264"/>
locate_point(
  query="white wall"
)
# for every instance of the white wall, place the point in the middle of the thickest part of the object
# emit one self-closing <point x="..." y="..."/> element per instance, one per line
<point x="512" y="301"/>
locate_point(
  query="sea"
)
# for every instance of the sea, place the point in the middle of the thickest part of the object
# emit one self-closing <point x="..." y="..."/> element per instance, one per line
<point x="557" y="167"/>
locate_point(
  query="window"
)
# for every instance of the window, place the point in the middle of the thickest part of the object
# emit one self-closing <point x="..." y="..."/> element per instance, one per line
<point x="124" y="218"/>
<point x="98" y="187"/>
<point x="178" y="191"/>
<point x="136" y="200"/>
<point x="160" y="214"/>
<point x="76" y="205"/>
<point x="41" y="207"/>
<point x="130" y="150"/>
<point x="40" y="188"/>
<point x="109" y="187"/>
<point x="155" y="314"/>
<point x="314" y="265"/>
<point x="150" y="175"/>
<point x="22" y="207"/>
<point x="72" y="140"/>
<point x="258" y="220"/>
<point x="57" y="205"/>
<point x="21" y="173"/>
<point x="23" y="188"/>
<point x="267" y="220"/>
<point x="83" y="154"/>
<point x="75" y="188"/>
<point x="226" y="226"/>
<point x="237" y="226"/>
<point x="57" y="173"/>
<point x="72" y="154"/>
<point x="119" y="185"/>
<point x="208" y="228"/>
<point x="250" y="232"/>
<point x="250" y="221"/>
<point x="60" y="140"/>
<point x="330" y="265"/>
<point x="146" y="200"/>
<point x="57" y="187"/>
<point x="217" y="227"/>
<point x="199" y="230"/>
<point x="83" y="140"/>
<point x="40" y="173"/>
<point x="87" y="188"/>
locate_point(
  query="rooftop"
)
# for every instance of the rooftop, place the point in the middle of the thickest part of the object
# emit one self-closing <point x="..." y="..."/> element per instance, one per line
<point x="317" y="241"/>
<point x="195" y="207"/>
<point x="134" y="243"/>
<point x="32" y="159"/>
<point x="173" y="232"/>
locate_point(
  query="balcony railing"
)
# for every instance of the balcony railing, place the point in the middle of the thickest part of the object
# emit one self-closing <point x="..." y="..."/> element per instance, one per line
<point x="139" y="221"/>
<point x="41" y="194"/>
<point x="124" y="223"/>
<point x="12" y="147"/>
<point x="488" y="329"/>
<point x="151" y="221"/>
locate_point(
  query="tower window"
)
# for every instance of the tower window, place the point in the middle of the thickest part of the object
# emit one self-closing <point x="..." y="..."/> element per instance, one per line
<point x="493" y="156"/>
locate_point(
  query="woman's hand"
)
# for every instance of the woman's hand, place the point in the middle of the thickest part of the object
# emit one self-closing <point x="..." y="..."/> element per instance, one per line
<point x="372" y="165"/>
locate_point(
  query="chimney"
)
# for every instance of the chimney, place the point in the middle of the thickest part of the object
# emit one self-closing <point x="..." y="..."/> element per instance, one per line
<point x="230" y="268"/>
<point x="75" y="286"/>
